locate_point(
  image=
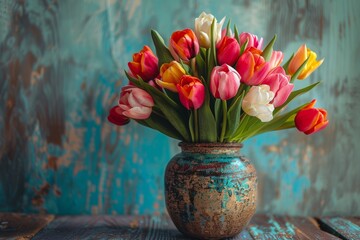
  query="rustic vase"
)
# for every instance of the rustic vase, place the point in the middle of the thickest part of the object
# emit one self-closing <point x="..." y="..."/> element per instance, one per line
<point x="210" y="190"/>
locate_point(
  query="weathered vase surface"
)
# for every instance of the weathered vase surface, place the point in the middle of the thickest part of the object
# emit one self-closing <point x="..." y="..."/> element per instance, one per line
<point x="210" y="190"/>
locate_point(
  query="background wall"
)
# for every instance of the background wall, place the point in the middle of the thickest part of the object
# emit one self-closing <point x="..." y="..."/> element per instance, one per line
<point x="61" y="69"/>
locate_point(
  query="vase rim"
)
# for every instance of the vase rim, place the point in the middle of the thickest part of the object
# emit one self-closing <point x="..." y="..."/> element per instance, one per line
<point x="216" y="147"/>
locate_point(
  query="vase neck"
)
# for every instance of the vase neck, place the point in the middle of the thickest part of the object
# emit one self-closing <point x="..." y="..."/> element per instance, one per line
<point x="211" y="148"/>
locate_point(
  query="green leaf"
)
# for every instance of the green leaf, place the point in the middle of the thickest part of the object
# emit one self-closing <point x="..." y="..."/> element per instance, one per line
<point x="233" y="115"/>
<point x="207" y="123"/>
<point x="162" y="51"/>
<point x="201" y="65"/>
<point x="176" y="114"/>
<point x="297" y="73"/>
<point x="162" y="125"/>
<point x="212" y="50"/>
<point x="217" y="110"/>
<point x="236" y="33"/>
<point x="191" y="126"/>
<point x="228" y="30"/>
<point x="243" y="47"/>
<point x="269" y="49"/>
<point x="286" y="65"/>
<point x="294" y="94"/>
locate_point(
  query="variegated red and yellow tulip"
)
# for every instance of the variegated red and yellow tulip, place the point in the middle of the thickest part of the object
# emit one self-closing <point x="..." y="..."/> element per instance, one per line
<point x="191" y="92"/>
<point x="299" y="58"/>
<point x="252" y="67"/>
<point x="170" y="74"/>
<point x="184" y="45"/>
<point x="310" y="120"/>
<point x="144" y="64"/>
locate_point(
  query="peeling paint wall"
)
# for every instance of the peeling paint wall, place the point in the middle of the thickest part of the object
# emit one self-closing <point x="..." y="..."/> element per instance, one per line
<point x="61" y="69"/>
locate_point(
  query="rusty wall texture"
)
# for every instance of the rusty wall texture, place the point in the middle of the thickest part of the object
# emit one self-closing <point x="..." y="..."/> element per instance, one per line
<point x="61" y="69"/>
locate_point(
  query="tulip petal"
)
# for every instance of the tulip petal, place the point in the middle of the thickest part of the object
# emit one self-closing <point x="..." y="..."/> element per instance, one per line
<point x="306" y="118"/>
<point x="138" y="112"/>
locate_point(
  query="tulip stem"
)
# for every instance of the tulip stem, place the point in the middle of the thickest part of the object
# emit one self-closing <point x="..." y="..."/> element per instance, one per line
<point x="196" y="125"/>
<point x="223" y="129"/>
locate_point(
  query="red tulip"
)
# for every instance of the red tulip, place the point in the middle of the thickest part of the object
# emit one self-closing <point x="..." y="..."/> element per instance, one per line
<point x="144" y="64"/>
<point x="116" y="116"/>
<point x="224" y="82"/>
<point x="311" y="120"/>
<point x="184" y="45"/>
<point x="253" y="40"/>
<point x="252" y="67"/>
<point x="228" y="51"/>
<point x="135" y="102"/>
<point x="191" y="92"/>
<point x="279" y="84"/>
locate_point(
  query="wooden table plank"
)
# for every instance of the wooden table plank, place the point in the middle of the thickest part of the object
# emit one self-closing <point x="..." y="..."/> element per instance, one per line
<point x="115" y="227"/>
<point x="344" y="228"/>
<point x="276" y="227"/>
<point x="21" y="226"/>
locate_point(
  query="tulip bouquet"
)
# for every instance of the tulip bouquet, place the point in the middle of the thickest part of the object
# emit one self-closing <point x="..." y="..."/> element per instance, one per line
<point x="212" y="84"/>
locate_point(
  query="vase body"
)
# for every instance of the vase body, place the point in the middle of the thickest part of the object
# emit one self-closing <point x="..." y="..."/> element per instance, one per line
<point x="210" y="190"/>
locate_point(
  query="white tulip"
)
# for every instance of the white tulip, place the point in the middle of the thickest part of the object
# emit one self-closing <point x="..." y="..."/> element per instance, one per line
<point x="203" y="29"/>
<point x="257" y="102"/>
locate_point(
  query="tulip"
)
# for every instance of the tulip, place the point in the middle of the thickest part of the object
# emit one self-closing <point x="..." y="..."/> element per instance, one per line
<point x="257" y="103"/>
<point x="184" y="45"/>
<point x="116" y="116"/>
<point x="171" y="74"/>
<point x="135" y="102"/>
<point x="144" y="64"/>
<point x="191" y="92"/>
<point x="279" y="84"/>
<point x="253" y="40"/>
<point x="311" y="120"/>
<point x="299" y="58"/>
<point x="224" y="82"/>
<point x="252" y="67"/>
<point x="203" y="29"/>
<point x="228" y="51"/>
<point x="276" y="59"/>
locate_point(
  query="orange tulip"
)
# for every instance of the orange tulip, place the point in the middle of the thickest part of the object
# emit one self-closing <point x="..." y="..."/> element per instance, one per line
<point x="299" y="58"/>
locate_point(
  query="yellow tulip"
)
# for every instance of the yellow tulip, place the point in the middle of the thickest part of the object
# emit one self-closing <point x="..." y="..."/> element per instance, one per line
<point x="299" y="58"/>
<point x="171" y="74"/>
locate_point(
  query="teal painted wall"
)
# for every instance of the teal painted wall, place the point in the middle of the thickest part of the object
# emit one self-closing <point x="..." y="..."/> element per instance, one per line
<point x="61" y="69"/>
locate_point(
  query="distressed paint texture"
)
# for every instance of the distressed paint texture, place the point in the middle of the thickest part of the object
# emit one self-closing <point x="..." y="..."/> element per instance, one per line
<point x="61" y="69"/>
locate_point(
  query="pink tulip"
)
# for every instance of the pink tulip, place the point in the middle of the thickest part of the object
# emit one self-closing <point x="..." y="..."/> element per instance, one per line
<point x="116" y="116"/>
<point x="191" y="92"/>
<point x="144" y="64"/>
<point x="279" y="84"/>
<point x="228" y="51"/>
<point x="311" y="120"/>
<point x="252" y="67"/>
<point x="224" y="82"/>
<point x="253" y="40"/>
<point x="135" y="102"/>
<point x="276" y="59"/>
<point x="184" y="45"/>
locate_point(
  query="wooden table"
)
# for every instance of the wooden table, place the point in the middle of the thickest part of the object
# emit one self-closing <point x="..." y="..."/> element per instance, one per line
<point x="22" y="226"/>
